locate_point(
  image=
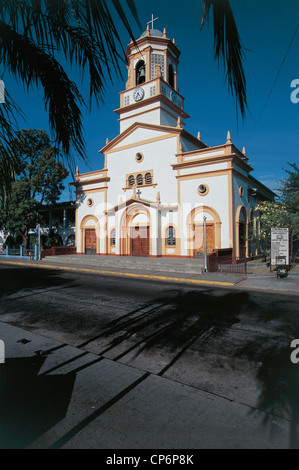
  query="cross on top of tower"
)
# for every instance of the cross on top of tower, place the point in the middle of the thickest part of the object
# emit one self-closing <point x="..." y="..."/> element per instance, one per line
<point x="152" y="21"/>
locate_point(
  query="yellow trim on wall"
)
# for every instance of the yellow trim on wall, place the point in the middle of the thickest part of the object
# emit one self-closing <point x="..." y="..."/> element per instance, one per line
<point x="203" y="174"/>
<point x="139" y="143"/>
<point x="95" y="190"/>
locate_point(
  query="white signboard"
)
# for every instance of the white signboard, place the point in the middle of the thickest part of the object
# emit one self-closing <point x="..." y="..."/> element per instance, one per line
<point x="279" y="245"/>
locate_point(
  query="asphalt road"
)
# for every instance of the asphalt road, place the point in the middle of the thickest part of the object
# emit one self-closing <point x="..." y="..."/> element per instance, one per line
<point x="232" y="344"/>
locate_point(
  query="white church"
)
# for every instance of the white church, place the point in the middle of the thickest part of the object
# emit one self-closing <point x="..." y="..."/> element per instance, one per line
<point x="160" y="185"/>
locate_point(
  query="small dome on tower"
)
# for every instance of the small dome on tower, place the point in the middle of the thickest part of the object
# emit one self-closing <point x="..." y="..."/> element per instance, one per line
<point x="153" y="32"/>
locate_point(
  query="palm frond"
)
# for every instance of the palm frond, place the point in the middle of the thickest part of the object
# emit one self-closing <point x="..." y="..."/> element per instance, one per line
<point x="228" y="47"/>
<point x="34" y="67"/>
<point x="36" y="34"/>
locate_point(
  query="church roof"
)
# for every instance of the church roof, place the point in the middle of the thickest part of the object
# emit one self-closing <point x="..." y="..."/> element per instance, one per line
<point x="136" y="125"/>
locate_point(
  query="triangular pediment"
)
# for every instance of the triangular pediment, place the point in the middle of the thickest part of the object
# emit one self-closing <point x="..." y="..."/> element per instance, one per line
<point x="140" y="202"/>
<point x="139" y="133"/>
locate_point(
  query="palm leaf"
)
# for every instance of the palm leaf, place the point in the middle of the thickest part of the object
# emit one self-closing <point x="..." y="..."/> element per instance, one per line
<point x="228" y="47"/>
<point x="34" y="37"/>
<point x="34" y="66"/>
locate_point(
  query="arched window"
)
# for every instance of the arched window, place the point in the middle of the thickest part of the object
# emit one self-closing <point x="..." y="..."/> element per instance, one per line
<point x="148" y="178"/>
<point x="70" y="241"/>
<point x="139" y="180"/>
<point x="170" y="236"/>
<point x="171" y="75"/>
<point x="112" y="237"/>
<point x="140" y="72"/>
<point x="131" y="180"/>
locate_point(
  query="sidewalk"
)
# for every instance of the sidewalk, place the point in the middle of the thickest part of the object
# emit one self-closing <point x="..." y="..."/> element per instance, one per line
<point x="171" y="270"/>
<point x="54" y="395"/>
<point x="57" y="396"/>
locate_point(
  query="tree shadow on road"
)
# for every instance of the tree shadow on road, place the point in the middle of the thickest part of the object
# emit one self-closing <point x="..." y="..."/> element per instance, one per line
<point x="278" y="379"/>
<point x="30" y="404"/>
<point x="177" y="319"/>
<point x="23" y="280"/>
<point x="278" y="384"/>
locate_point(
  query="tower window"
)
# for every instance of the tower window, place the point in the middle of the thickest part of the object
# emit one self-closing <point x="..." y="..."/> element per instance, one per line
<point x="139" y="180"/>
<point x="140" y="72"/>
<point x="148" y="178"/>
<point x="157" y="59"/>
<point x="170" y="236"/>
<point x="131" y="180"/>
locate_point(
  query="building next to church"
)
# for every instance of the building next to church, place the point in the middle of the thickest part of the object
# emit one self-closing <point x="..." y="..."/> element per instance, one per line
<point x="160" y="185"/>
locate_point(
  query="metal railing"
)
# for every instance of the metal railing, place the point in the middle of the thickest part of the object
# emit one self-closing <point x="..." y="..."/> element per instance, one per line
<point x="226" y="264"/>
<point x="59" y="250"/>
<point x="17" y="252"/>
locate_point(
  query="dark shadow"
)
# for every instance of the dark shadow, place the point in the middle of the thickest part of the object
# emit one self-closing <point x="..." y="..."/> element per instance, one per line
<point x="30" y="404"/>
<point x="13" y="280"/>
<point x="177" y="319"/>
<point x="277" y="381"/>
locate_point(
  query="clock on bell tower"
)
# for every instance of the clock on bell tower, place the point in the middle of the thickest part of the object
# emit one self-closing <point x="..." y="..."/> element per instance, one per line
<point x="152" y="93"/>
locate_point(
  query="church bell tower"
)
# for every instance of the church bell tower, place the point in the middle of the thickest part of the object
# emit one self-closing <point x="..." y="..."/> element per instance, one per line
<point x="152" y="93"/>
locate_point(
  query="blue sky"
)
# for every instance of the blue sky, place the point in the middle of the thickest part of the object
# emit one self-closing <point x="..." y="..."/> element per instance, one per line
<point x="266" y="28"/>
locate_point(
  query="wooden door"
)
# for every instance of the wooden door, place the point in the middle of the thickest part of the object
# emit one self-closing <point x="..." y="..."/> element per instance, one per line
<point x="199" y="238"/>
<point x="139" y="241"/>
<point x="90" y="242"/>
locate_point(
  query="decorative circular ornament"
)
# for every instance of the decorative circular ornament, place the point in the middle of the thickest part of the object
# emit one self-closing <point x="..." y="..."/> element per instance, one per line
<point x="202" y="189"/>
<point x="139" y="157"/>
<point x="90" y="202"/>
<point x="138" y="94"/>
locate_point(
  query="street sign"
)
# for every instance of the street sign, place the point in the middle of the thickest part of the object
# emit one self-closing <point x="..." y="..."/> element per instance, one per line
<point x="279" y="245"/>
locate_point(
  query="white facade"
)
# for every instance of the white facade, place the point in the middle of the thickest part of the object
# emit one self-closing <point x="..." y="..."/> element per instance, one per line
<point x="159" y="182"/>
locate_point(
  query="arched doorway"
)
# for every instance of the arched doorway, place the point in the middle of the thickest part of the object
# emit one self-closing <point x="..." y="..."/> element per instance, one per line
<point x="195" y="230"/>
<point x="135" y="231"/>
<point x="241" y="232"/>
<point x="90" y="235"/>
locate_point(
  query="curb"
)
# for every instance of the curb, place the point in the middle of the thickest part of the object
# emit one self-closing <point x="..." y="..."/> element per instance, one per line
<point x="125" y="274"/>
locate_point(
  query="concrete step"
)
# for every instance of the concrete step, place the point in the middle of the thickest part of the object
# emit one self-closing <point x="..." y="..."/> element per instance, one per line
<point x="138" y="263"/>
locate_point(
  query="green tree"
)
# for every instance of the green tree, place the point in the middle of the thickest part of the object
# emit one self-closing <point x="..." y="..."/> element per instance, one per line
<point x="51" y="239"/>
<point x="284" y="213"/>
<point x="39" y="179"/>
<point x="289" y="188"/>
